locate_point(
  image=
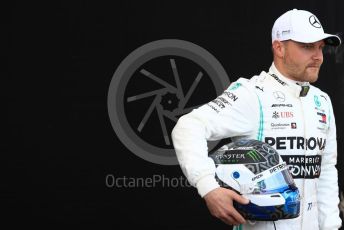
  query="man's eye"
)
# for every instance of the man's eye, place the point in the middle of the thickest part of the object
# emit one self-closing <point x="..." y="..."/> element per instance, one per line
<point x="308" y="46"/>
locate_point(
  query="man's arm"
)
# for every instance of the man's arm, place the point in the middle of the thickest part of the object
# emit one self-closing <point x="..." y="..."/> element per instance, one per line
<point x="231" y="114"/>
<point x="328" y="199"/>
<point x="220" y="205"/>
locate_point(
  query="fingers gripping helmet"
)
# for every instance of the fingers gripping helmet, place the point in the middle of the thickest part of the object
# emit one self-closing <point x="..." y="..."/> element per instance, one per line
<point x="255" y="170"/>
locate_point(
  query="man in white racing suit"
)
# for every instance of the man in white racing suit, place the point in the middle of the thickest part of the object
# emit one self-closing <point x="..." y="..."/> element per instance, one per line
<point x="281" y="108"/>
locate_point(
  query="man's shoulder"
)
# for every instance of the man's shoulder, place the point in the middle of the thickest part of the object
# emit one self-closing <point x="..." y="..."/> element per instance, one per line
<point x="241" y="86"/>
<point x="316" y="90"/>
<point x="249" y="82"/>
<point x="317" y="93"/>
<point x="244" y="89"/>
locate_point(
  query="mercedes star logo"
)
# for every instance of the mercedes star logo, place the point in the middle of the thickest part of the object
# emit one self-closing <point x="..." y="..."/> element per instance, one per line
<point x="314" y="21"/>
<point x="279" y="96"/>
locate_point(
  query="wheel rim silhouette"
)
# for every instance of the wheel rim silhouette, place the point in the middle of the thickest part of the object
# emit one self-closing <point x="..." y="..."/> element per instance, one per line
<point x="169" y="101"/>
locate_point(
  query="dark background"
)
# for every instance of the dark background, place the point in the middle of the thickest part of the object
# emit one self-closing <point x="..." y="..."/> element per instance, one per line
<point x="60" y="145"/>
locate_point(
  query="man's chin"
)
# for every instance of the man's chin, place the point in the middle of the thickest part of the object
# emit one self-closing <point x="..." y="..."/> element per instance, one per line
<point x="312" y="76"/>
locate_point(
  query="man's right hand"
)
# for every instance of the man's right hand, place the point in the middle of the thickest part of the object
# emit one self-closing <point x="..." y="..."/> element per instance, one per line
<point x="220" y="205"/>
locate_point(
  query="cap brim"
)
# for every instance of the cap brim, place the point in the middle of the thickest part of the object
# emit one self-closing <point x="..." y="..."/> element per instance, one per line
<point x="332" y="40"/>
<point x="329" y="39"/>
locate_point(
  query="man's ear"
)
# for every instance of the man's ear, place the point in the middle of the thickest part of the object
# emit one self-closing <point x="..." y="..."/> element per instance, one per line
<point x="278" y="48"/>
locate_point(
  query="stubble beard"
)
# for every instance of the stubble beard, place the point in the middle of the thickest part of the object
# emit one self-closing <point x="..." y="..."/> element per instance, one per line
<point x="302" y="74"/>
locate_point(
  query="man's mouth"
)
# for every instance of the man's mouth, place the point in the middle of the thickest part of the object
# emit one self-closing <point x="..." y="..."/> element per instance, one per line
<point x="314" y="66"/>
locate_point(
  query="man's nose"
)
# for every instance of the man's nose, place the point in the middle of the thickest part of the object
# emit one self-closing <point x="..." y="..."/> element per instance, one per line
<point x="318" y="55"/>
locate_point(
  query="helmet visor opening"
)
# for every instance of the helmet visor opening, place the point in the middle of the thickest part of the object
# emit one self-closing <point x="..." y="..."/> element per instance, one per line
<point x="277" y="182"/>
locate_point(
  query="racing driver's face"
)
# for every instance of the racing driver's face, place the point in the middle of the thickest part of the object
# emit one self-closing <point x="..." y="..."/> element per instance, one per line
<point x="302" y="61"/>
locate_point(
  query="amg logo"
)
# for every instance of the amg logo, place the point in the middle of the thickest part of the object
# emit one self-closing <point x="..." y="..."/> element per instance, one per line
<point x="296" y="142"/>
<point x="281" y="105"/>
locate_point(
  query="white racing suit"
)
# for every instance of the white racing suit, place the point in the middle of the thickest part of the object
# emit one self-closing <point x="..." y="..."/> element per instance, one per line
<point x="269" y="108"/>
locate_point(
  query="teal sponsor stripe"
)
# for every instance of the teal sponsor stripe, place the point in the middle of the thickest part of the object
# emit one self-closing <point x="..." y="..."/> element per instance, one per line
<point x="261" y="122"/>
<point x="238" y="227"/>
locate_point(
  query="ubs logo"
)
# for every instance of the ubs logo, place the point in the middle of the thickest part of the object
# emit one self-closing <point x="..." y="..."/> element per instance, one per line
<point x="314" y="21"/>
<point x="282" y="115"/>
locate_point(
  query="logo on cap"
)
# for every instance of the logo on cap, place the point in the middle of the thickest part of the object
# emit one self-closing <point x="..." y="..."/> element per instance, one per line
<point x="314" y="21"/>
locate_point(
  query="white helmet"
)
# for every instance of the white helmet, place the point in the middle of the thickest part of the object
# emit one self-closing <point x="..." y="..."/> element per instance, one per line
<point x="255" y="170"/>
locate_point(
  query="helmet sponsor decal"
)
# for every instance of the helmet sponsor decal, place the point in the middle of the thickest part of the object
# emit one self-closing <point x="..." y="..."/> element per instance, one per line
<point x="240" y="156"/>
<point x="307" y="167"/>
